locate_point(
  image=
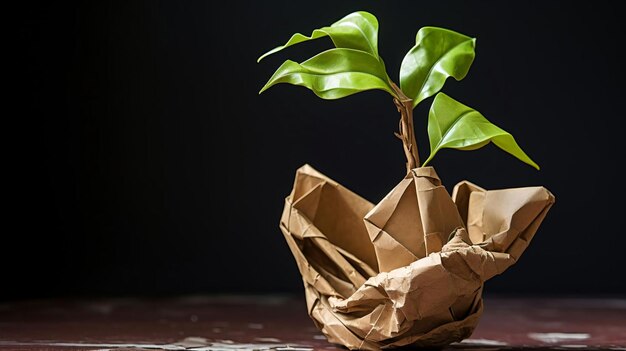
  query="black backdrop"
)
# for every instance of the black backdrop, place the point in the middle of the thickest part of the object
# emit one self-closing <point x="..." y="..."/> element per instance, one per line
<point x="141" y="160"/>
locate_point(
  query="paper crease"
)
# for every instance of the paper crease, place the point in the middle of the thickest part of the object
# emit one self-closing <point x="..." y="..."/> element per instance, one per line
<point x="366" y="286"/>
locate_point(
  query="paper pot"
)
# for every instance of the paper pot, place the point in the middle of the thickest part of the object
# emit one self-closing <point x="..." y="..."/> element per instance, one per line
<point x="410" y="270"/>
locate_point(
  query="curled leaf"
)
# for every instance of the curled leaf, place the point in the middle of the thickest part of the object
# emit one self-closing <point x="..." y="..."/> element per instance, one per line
<point x="438" y="54"/>
<point x="334" y="74"/>
<point x="454" y="125"/>
<point x="358" y="30"/>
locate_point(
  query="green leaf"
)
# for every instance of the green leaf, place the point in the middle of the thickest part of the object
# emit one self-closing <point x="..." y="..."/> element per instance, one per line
<point x="454" y="125"/>
<point x="438" y="54"/>
<point x="334" y="74"/>
<point x="358" y="30"/>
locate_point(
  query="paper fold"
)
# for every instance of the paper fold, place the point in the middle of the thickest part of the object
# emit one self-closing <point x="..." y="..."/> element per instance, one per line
<point x="410" y="270"/>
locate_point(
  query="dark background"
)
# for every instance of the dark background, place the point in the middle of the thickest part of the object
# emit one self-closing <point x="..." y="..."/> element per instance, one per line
<point x="141" y="160"/>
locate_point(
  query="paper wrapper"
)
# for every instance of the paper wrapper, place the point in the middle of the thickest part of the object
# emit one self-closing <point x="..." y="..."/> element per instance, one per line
<point x="410" y="270"/>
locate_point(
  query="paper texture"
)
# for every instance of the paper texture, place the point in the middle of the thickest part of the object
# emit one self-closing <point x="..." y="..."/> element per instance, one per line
<point x="410" y="270"/>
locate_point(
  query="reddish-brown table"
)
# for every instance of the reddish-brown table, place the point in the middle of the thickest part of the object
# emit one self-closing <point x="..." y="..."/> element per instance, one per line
<point x="281" y="323"/>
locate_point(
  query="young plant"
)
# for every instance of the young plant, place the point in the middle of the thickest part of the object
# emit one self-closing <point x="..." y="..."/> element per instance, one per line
<point x="354" y="65"/>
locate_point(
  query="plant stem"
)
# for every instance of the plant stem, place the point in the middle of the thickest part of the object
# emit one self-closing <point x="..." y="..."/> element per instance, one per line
<point x="407" y="131"/>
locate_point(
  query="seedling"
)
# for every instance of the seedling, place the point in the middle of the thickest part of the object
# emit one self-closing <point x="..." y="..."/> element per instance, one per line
<point x="354" y="65"/>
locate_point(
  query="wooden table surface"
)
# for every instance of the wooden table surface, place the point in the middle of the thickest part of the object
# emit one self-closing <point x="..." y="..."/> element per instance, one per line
<point x="281" y="324"/>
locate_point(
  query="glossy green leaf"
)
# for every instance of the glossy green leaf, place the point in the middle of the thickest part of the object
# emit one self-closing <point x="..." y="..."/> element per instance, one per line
<point x="358" y="30"/>
<point x="454" y="125"/>
<point x="334" y="74"/>
<point x="438" y="54"/>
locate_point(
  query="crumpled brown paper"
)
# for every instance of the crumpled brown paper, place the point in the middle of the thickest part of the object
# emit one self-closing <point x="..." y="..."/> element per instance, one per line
<point x="410" y="270"/>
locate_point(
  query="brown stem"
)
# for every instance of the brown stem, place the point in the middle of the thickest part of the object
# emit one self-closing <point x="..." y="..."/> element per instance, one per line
<point x="407" y="131"/>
